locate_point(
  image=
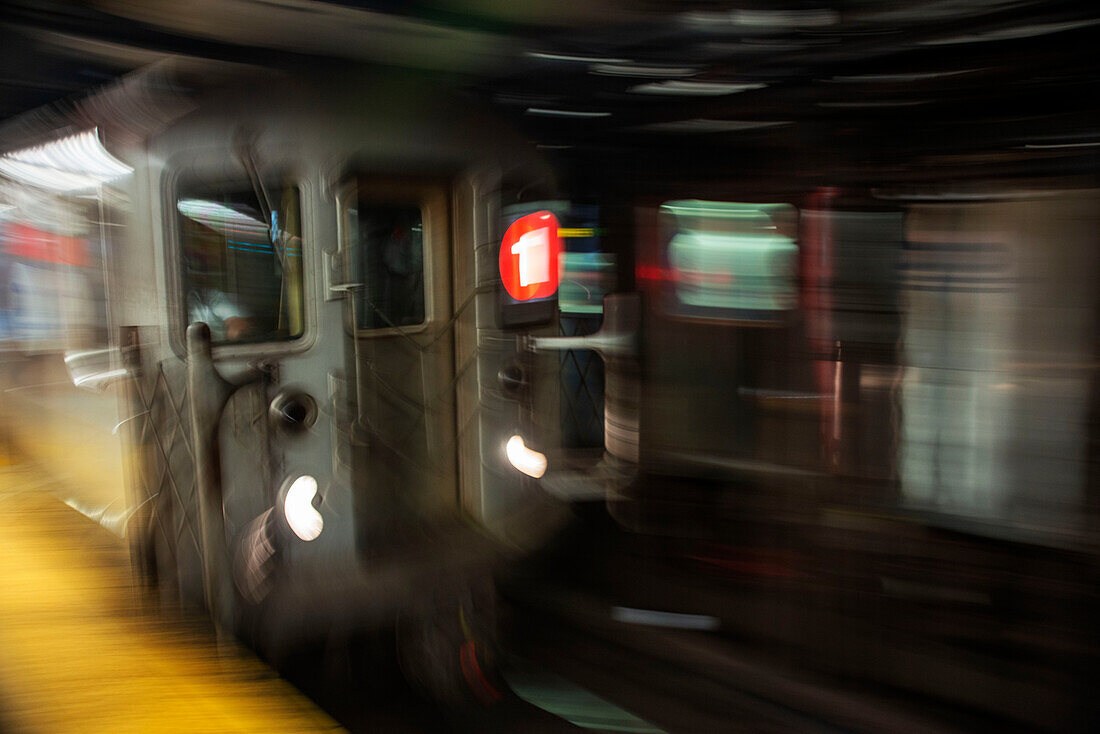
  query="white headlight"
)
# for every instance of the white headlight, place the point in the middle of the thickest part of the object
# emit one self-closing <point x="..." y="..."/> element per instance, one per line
<point x="298" y="508"/>
<point x="528" y="461"/>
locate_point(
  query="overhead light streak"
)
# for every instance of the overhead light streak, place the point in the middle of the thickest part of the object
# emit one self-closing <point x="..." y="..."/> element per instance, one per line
<point x="886" y="78"/>
<point x="1057" y="146"/>
<point x="72" y="163"/>
<point x="760" y="20"/>
<point x="574" y="58"/>
<point x="549" y="112"/>
<point x="1012" y="33"/>
<point x="701" y="125"/>
<point x="640" y="70"/>
<point x="696" y="89"/>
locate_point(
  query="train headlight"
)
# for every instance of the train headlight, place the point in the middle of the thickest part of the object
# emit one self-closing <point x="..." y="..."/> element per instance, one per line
<point x="528" y="461"/>
<point x="298" y="509"/>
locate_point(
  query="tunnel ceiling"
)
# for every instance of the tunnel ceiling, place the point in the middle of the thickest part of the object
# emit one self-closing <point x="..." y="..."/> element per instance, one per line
<point x="952" y="82"/>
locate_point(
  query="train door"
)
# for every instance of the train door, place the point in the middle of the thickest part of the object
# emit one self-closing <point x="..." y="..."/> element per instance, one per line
<point x="233" y="436"/>
<point x="320" y="403"/>
<point x="397" y="261"/>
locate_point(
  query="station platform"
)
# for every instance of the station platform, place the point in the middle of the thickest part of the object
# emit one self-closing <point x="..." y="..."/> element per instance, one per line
<point x="81" y="652"/>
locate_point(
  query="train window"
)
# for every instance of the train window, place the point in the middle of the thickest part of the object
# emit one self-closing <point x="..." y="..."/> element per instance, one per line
<point x="730" y="260"/>
<point x="241" y="263"/>
<point x="388" y="260"/>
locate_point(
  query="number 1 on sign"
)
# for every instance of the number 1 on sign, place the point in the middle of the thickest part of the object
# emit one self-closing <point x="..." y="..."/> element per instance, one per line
<point x="529" y="257"/>
<point x="533" y="249"/>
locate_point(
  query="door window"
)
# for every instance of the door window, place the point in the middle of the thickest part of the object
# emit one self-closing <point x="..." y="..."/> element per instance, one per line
<point x="388" y="259"/>
<point x="241" y="263"/>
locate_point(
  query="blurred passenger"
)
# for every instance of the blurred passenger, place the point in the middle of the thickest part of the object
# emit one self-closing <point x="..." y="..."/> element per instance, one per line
<point x="218" y="310"/>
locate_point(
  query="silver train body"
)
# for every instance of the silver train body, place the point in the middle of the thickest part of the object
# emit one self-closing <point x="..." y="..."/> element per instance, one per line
<point x="399" y="429"/>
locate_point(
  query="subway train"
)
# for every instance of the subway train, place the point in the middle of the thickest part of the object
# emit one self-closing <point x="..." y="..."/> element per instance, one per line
<point x="371" y="355"/>
<point x="327" y="453"/>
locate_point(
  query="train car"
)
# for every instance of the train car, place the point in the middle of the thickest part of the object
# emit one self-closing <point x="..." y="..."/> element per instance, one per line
<point x="306" y="334"/>
<point x="857" y="440"/>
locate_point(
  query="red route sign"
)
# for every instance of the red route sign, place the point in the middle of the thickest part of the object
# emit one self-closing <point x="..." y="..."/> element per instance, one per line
<point x="32" y="243"/>
<point x="530" y="255"/>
